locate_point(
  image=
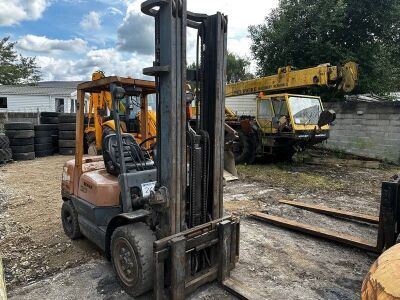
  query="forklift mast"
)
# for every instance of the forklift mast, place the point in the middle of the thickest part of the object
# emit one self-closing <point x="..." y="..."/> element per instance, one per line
<point x="183" y="150"/>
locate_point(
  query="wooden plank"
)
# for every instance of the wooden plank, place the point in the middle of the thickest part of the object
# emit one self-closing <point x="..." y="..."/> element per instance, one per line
<point x="3" y="292"/>
<point x="240" y="290"/>
<point x="319" y="232"/>
<point x="333" y="212"/>
<point x="368" y="164"/>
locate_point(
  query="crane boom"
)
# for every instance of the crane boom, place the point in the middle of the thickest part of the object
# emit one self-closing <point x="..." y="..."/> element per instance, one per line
<point x="343" y="78"/>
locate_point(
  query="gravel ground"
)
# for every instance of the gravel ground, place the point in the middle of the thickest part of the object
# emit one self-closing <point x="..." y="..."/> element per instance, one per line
<point x="40" y="262"/>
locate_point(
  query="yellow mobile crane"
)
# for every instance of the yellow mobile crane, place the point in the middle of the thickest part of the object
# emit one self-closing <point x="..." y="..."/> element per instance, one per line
<point x="286" y="123"/>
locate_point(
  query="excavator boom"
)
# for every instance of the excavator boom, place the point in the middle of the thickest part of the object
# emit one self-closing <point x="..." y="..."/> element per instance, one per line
<point x="344" y="78"/>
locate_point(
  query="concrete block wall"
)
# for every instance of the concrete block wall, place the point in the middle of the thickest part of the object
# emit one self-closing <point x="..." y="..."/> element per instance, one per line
<point x="371" y="130"/>
<point x="17" y="117"/>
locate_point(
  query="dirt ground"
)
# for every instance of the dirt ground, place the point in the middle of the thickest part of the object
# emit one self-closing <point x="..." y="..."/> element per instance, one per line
<point x="280" y="264"/>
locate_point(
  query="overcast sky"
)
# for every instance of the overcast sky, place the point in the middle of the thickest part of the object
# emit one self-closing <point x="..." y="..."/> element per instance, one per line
<point x="73" y="38"/>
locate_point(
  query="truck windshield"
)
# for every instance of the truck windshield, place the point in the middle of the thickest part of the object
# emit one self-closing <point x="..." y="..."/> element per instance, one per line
<point x="305" y="110"/>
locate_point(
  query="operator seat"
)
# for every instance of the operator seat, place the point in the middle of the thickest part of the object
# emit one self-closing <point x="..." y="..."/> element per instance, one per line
<point x="136" y="159"/>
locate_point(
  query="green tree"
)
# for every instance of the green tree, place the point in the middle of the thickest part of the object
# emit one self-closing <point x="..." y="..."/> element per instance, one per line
<point x="237" y="68"/>
<point x="304" y="33"/>
<point x="14" y="68"/>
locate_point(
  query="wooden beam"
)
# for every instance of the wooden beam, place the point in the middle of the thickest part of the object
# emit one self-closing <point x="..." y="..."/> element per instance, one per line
<point x="333" y="212"/>
<point x="368" y="164"/>
<point x="319" y="232"/>
<point x="3" y="292"/>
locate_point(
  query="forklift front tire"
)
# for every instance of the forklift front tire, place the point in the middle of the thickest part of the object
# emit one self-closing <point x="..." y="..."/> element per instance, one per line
<point x="132" y="257"/>
<point x="69" y="218"/>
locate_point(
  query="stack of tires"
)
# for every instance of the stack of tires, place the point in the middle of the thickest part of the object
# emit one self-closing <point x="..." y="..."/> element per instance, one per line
<point x="66" y="134"/>
<point x="21" y="136"/>
<point x="51" y="118"/>
<point x="5" y="150"/>
<point x="44" y="135"/>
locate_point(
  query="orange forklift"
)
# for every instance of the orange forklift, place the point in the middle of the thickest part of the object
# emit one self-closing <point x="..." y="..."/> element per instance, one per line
<point x="160" y="219"/>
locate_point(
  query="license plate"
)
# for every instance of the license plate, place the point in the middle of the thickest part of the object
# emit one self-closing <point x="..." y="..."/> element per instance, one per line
<point x="147" y="188"/>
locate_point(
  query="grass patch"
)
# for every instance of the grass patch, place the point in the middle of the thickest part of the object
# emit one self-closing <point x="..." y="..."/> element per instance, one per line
<point x="286" y="176"/>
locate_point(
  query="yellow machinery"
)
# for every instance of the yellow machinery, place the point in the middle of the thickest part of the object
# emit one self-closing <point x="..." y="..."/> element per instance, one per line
<point x="142" y="125"/>
<point x="286" y="123"/>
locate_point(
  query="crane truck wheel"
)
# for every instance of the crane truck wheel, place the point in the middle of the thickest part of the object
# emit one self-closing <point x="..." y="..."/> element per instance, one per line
<point x="69" y="218"/>
<point x="245" y="150"/>
<point x="132" y="257"/>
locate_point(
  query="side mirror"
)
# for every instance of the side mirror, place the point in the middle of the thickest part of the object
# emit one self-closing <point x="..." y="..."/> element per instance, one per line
<point x="275" y="122"/>
<point x="118" y="93"/>
<point x="326" y="118"/>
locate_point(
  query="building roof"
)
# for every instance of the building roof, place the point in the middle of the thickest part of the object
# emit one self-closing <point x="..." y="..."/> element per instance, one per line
<point x="59" y="84"/>
<point x="40" y="89"/>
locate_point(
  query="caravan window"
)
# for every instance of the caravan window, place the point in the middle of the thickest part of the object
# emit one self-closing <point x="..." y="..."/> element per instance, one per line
<point x="3" y="102"/>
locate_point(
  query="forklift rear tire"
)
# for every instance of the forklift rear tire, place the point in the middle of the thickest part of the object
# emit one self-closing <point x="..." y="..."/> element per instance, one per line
<point x="132" y="257"/>
<point x="69" y="218"/>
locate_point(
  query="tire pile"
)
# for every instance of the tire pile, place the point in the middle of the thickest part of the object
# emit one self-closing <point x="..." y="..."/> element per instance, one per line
<point x="21" y="137"/>
<point x="51" y="118"/>
<point x="66" y="133"/>
<point x="5" y="150"/>
<point x="44" y="136"/>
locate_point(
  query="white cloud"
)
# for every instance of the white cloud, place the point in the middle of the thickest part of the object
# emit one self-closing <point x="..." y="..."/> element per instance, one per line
<point x="109" y="60"/>
<point x="91" y="21"/>
<point x="15" y="11"/>
<point x="136" y="33"/>
<point x="135" y="46"/>
<point x="115" y="11"/>
<point x="36" y="43"/>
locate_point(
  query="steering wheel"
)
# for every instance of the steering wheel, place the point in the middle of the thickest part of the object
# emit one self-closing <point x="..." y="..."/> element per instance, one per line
<point x="151" y="146"/>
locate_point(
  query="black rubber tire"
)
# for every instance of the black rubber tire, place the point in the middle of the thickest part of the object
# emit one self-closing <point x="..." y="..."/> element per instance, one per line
<point x="21" y="142"/>
<point x="69" y="219"/>
<point x="46" y="127"/>
<point x="44" y="153"/>
<point x="247" y="155"/>
<point x="66" y="151"/>
<point x="44" y="140"/>
<point x="47" y="133"/>
<point x="66" y="143"/>
<point x="20" y="134"/>
<point x="4" y="141"/>
<point x="43" y="147"/>
<point x="24" y="156"/>
<point x="5" y="155"/>
<point x="18" y="126"/>
<point x="23" y="149"/>
<point x="48" y="120"/>
<point x="66" y="135"/>
<point x="139" y="239"/>
<point x="67" y="127"/>
<point x="49" y="114"/>
<point x="67" y="118"/>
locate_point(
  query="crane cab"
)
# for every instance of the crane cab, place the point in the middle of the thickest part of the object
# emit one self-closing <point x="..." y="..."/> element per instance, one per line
<point x="289" y="120"/>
